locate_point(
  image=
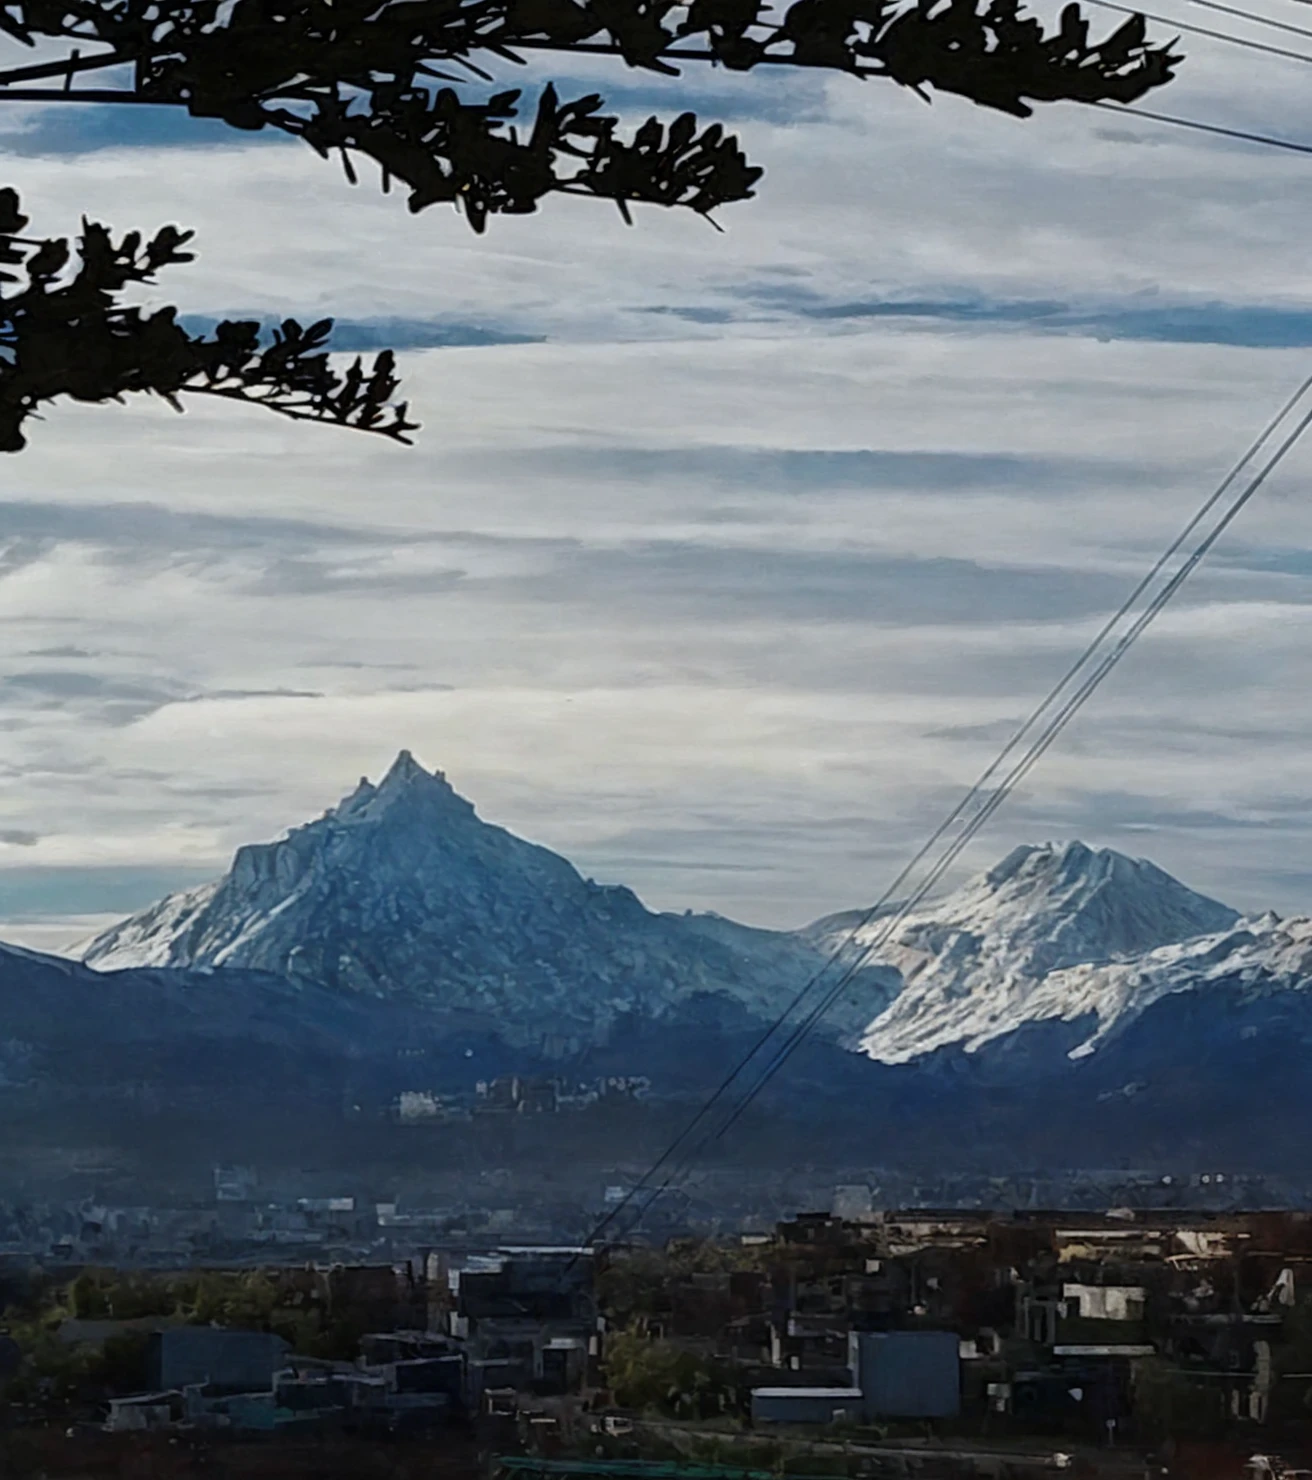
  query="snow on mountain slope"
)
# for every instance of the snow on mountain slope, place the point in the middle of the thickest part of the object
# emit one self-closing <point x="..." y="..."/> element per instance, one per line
<point x="402" y="890"/>
<point x="980" y="963"/>
<point x="1264" y="955"/>
<point x="147" y="938"/>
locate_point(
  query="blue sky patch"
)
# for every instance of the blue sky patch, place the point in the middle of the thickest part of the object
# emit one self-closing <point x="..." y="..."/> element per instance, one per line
<point x="28" y="893"/>
<point x="88" y="128"/>
<point x="1246" y="326"/>
<point x="364" y="336"/>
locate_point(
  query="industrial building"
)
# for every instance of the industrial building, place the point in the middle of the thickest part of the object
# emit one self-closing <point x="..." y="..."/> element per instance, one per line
<point x="895" y="1374"/>
<point x="806" y="1405"/>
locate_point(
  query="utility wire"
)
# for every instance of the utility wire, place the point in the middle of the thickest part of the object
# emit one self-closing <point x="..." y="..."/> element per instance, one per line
<point x="1053" y="730"/>
<point x="1033" y="755"/>
<point x="943" y="827"/>
<point x="1206" y="128"/>
<point x="1163" y="20"/>
<point x="1249" y="15"/>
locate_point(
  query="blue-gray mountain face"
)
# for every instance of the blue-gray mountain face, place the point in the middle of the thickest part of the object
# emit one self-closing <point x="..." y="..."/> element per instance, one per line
<point x="402" y="893"/>
<point x="1067" y="1007"/>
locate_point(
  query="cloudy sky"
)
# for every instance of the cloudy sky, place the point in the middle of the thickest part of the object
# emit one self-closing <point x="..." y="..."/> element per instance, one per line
<point x="723" y="562"/>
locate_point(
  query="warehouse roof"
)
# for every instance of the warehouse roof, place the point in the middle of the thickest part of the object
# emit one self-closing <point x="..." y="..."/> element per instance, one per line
<point x="806" y="1392"/>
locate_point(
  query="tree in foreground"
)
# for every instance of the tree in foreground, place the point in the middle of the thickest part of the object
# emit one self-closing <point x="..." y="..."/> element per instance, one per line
<point x="386" y="81"/>
<point x="63" y="332"/>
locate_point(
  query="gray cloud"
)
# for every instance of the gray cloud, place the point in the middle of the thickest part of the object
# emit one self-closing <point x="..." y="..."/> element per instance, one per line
<point x="279" y="693"/>
<point x="18" y="837"/>
<point x="1289" y="560"/>
<point x="699" y="580"/>
<point x="304" y="576"/>
<point x="346" y="665"/>
<point x="814" y="470"/>
<point x="36" y="527"/>
<point x="997" y="732"/>
<point x="117" y="701"/>
<point x="121" y="700"/>
<point x="19" y="554"/>
<point x="303" y="555"/>
<point x="59" y="685"/>
<point x="1255" y="325"/>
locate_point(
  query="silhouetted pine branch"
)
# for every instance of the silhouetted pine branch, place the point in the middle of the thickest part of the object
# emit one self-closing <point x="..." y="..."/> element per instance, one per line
<point x="355" y="78"/>
<point x="63" y="332"/>
<point x="376" y="80"/>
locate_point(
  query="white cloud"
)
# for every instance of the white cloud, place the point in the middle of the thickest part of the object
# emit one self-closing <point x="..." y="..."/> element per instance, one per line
<point x="56" y="936"/>
<point x="731" y="689"/>
<point x="885" y="195"/>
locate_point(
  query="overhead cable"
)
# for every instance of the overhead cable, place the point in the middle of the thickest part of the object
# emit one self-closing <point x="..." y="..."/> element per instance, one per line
<point x="1000" y="793"/>
<point x="1206" y="128"/>
<point x="1164" y="20"/>
<point x="1050" y="733"/>
<point x="1252" y="15"/>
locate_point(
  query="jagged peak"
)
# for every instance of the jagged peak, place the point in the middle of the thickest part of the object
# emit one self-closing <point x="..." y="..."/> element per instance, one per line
<point x="1034" y="858"/>
<point x="406" y="774"/>
<point x="405" y="783"/>
<point x="364" y="793"/>
<point x="1062" y="864"/>
<point x="405" y="770"/>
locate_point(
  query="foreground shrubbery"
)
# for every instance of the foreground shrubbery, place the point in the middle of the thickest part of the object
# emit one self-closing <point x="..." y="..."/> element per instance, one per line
<point x="57" y="1372"/>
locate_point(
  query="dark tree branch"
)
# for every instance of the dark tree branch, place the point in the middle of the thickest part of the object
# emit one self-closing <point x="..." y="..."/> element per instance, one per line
<point x="63" y="334"/>
<point x="71" y="65"/>
<point x="83" y="95"/>
<point x="352" y="77"/>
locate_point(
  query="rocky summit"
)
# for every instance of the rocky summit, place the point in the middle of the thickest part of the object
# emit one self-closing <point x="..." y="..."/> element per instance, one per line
<point x="402" y="891"/>
<point x="992" y="957"/>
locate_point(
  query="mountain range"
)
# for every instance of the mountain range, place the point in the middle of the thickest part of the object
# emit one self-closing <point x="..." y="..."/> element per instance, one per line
<point x="402" y="893"/>
<point x="1069" y="1005"/>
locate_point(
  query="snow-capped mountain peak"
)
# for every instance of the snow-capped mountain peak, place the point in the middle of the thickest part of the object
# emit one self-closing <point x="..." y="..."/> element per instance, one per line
<point x="973" y="961"/>
<point x="406" y="787"/>
<point x="402" y="890"/>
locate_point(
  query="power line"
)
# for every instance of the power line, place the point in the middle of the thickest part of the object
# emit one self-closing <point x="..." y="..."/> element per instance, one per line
<point x="1249" y="15"/>
<point x="1058" y="723"/>
<point x="943" y="827"/>
<point x="1162" y="20"/>
<point x="1037" y="749"/>
<point x="1206" y="128"/>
